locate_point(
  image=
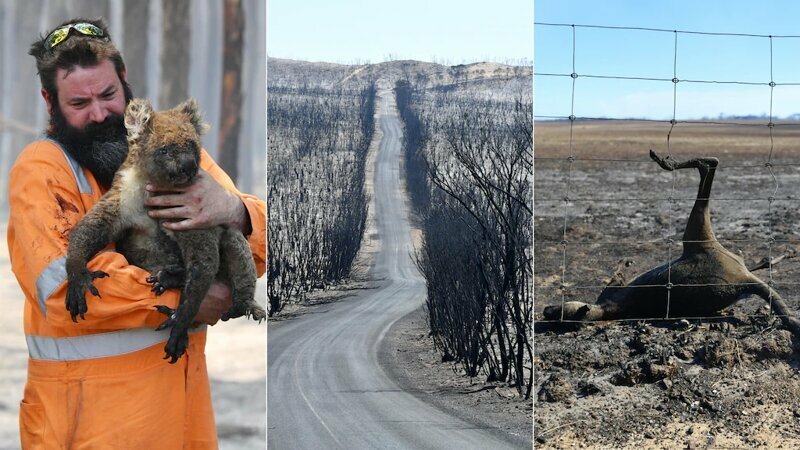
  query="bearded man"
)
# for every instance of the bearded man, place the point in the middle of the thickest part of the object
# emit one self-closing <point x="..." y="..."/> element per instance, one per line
<point x="102" y="382"/>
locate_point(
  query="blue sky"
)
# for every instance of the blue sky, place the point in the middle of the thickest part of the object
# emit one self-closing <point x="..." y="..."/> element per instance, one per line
<point x="651" y="55"/>
<point x="350" y="31"/>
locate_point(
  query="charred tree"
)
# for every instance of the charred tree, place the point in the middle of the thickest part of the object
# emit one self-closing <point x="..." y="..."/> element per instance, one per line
<point x="469" y="164"/>
<point x="134" y="44"/>
<point x="233" y="31"/>
<point x="174" y="53"/>
<point x="319" y="138"/>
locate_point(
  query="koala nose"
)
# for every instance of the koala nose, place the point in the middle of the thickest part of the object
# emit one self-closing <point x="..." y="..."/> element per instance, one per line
<point x="189" y="167"/>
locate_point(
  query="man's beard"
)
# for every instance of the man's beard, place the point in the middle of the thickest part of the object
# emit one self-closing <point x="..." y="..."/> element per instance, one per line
<point x="99" y="147"/>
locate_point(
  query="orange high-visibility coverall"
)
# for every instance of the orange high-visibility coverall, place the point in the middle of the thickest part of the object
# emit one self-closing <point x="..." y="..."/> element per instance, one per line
<point x="101" y="383"/>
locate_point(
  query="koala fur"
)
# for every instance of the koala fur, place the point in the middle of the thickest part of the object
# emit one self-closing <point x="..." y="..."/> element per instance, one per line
<point x="163" y="150"/>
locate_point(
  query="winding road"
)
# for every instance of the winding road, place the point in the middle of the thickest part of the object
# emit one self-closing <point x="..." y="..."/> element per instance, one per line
<point x="326" y="389"/>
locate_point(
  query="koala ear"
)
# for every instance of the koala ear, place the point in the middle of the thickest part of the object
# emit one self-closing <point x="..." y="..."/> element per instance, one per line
<point x="138" y="117"/>
<point x="190" y="108"/>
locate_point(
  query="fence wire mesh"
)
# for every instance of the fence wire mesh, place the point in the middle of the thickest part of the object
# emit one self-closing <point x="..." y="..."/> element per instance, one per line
<point x="565" y="287"/>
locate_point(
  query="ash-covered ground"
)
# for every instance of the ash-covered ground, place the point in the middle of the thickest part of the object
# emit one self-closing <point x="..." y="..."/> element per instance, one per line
<point x="725" y="382"/>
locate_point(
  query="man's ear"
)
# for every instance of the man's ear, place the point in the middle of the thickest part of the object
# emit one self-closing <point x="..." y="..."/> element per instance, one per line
<point x="48" y="100"/>
<point x="138" y="118"/>
<point x="190" y="108"/>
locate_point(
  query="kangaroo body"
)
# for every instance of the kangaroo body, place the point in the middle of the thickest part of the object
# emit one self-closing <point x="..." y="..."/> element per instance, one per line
<point x="705" y="279"/>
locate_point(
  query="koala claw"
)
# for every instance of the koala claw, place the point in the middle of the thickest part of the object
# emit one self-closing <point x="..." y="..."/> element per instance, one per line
<point x="76" y="293"/>
<point x="176" y="345"/>
<point x="75" y="303"/>
<point x="166" y="310"/>
<point x="158" y="288"/>
<point x="167" y="278"/>
<point x="256" y="312"/>
<point x="252" y="309"/>
<point x="169" y="312"/>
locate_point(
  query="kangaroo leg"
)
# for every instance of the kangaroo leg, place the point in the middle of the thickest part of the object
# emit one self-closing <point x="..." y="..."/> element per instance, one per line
<point x="779" y="305"/>
<point x="698" y="233"/>
<point x="766" y="262"/>
<point x="575" y="311"/>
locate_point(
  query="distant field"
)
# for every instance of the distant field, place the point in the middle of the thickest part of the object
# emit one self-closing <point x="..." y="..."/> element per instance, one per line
<point x="619" y="198"/>
<point x="632" y="139"/>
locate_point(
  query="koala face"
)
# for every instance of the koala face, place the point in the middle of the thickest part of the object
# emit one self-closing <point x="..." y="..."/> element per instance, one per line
<point x="165" y="144"/>
<point x="174" y="164"/>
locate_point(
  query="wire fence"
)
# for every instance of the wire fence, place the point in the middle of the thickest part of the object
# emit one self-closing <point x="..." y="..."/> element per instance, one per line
<point x="568" y="199"/>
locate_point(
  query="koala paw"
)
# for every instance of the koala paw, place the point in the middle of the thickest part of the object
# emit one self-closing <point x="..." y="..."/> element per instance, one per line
<point x="257" y="312"/>
<point x="249" y="309"/>
<point x="176" y="345"/>
<point x="166" y="278"/>
<point x="170" y="313"/>
<point x="76" y="292"/>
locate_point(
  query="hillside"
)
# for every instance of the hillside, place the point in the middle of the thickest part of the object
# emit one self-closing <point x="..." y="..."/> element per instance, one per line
<point x="483" y="76"/>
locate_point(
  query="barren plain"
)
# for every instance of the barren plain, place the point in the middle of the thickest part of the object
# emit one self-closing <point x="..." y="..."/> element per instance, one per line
<point x="730" y="381"/>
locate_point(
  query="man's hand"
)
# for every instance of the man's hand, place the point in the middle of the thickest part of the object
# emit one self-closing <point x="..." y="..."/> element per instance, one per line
<point x="202" y="204"/>
<point x="217" y="302"/>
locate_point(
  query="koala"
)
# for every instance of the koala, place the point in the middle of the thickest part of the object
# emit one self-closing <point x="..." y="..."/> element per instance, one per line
<point x="163" y="150"/>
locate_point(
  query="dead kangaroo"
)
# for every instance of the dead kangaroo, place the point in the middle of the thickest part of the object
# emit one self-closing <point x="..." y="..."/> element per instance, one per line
<point x="704" y="280"/>
<point x="163" y="150"/>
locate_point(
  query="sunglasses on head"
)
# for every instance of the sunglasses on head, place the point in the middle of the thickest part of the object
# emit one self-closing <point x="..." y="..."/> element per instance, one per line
<point x="61" y="34"/>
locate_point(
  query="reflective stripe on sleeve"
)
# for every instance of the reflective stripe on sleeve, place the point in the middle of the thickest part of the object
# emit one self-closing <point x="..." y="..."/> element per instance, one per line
<point x="49" y="280"/>
<point x="83" y="183"/>
<point x="99" y="345"/>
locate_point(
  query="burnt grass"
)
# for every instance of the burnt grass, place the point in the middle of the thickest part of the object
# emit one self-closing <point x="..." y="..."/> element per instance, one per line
<point x="626" y="383"/>
<point x="725" y="382"/>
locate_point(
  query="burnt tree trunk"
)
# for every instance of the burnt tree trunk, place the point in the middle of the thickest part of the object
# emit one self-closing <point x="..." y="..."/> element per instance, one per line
<point x="175" y="53"/>
<point x="231" y="119"/>
<point x="134" y="45"/>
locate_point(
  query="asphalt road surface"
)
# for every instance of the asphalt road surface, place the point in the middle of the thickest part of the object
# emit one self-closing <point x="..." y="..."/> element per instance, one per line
<point x="326" y="389"/>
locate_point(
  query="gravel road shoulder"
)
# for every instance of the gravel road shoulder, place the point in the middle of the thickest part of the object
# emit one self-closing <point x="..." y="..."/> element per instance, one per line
<point x="408" y="355"/>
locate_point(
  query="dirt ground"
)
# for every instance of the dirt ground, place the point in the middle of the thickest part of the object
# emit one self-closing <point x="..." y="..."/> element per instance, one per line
<point x="236" y="355"/>
<point x="729" y="382"/>
<point x="721" y="384"/>
<point x="410" y="356"/>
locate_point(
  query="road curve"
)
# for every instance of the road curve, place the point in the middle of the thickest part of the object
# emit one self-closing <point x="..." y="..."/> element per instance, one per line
<point x="325" y="387"/>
